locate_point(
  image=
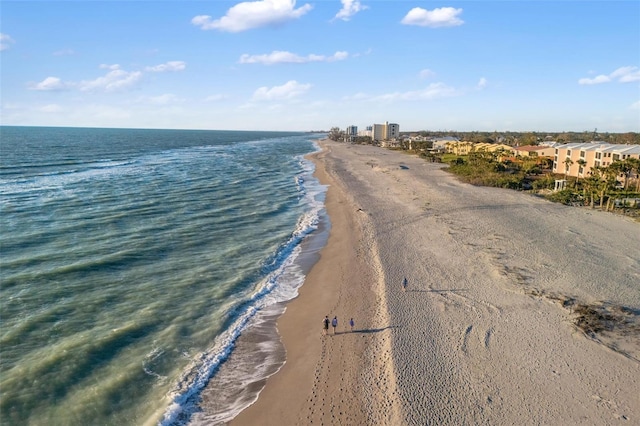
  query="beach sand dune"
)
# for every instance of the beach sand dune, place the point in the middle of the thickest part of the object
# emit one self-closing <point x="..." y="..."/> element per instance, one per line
<point x="486" y="331"/>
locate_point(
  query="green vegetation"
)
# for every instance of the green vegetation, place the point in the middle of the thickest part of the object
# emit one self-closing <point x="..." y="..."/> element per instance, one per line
<point x="492" y="169"/>
<point x="535" y="138"/>
<point x="600" y="189"/>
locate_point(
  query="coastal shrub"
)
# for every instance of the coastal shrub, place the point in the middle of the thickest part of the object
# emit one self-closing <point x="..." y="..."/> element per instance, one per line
<point x="566" y="196"/>
<point x="546" y="182"/>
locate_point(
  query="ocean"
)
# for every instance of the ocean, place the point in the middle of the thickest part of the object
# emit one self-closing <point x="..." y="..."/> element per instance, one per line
<point x="132" y="260"/>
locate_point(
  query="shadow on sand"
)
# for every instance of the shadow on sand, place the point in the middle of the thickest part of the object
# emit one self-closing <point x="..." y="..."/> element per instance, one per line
<point x="365" y="330"/>
<point x="453" y="290"/>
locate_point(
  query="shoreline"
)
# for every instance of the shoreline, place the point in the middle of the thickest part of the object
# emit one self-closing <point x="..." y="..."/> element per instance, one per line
<point x="302" y="391"/>
<point x="471" y="340"/>
<point x="259" y="352"/>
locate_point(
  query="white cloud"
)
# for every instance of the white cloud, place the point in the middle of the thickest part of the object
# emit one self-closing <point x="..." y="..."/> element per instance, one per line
<point x="165" y="99"/>
<point x="426" y="73"/>
<point x="215" y="98"/>
<point x="109" y="66"/>
<point x="357" y="97"/>
<point x="5" y="41"/>
<point x="115" y="80"/>
<point x="623" y="75"/>
<point x="635" y="105"/>
<point x="482" y="83"/>
<point x="248" y="15"/>
<point x="349" y="8"/>
<point x="626" y="74"/>
<point x="51" y="108"/>
<point x="289" y="90"/>
<point x="440" y="17"/>
<point x="433" y="91"/>
<point x="49" y="84"/>
<point x="596" y="80"/>
<point x="367" y="52"/>
<point x="168" y="66"/>
<point x="279" y="57"/>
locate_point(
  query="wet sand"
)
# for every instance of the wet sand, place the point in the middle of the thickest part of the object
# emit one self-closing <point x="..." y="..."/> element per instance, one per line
<point x="485" y="332"/>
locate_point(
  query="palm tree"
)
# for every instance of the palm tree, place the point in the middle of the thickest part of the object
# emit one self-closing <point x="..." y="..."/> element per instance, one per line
<point x="581" y="162"/>
<point x="621" y="168"/>
<point x="567" y="164"/>
<point x="590" y="185"/>
<point x="635" y="168"/>
<point x="602" y="179"/>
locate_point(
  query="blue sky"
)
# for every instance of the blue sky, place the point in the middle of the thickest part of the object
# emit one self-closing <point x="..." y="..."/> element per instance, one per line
<point x="311" y="65"/>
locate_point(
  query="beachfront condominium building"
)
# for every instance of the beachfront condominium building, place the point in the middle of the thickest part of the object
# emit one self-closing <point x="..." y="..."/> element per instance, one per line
<point x="385" y="132"/>
<point x="393" y="131"/>
<point x="577" y="159"/>
<point x="378" y="132"/>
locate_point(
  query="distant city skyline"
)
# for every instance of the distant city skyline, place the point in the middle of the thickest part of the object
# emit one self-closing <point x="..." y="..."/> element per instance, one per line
<point x="302" y="65"/>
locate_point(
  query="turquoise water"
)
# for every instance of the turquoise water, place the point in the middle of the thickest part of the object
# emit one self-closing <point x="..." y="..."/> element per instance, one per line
<point x="131" y="260"/>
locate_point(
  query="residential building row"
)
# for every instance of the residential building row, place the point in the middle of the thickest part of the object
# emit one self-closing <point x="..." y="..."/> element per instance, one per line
<point x="577" y="159"/>
<point x="572" y="159"/>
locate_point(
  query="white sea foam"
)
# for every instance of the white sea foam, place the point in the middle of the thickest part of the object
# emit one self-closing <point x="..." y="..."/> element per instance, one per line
<point x="128" y="255"/>
<point x="278" y="286"/>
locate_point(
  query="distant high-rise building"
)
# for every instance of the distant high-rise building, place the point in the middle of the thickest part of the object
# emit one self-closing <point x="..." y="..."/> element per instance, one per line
<point x="367" y="132"/>
<point x="393" y="130"/>
<point x="379" y="132"/>
<point x="350" y="133"/>
<point x="386" y="131"/>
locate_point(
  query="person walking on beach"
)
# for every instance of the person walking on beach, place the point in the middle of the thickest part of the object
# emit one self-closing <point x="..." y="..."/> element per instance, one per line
<point x="334" y="324"/>
<point x="325" y="325"/>
<point x="404" y="284"/>
<point x="351" y="323"/>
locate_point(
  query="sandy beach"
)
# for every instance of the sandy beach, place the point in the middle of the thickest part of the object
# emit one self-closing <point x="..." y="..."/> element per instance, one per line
<point x="485" y="332"/>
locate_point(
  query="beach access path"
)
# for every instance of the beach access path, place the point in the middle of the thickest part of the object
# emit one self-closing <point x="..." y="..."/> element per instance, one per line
<point x="483" y="334"/>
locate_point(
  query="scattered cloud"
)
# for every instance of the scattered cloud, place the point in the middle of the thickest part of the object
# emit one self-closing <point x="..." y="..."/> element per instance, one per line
<point x="51" y="108"/>
<point x="432" y="91"/>
<point x="626" y="74"/>
<point x="5" y="41"/>
<point x="635" y="105"/>
<point x="367" y="52"/>
<point x="165" y="99"/>
<point x="597" y="80"/>
<point x="248" y="15"/>
<point x="114" y="81"/>
<point x="440" y="17"/>
<point x="168" y="66"/>
<point x="280" y="57"/>
<point x="357" y="97"/>
<point x="215" y="98"/>
<point x="426" y="73"/>
<point x="482" y="83"/>
<point x="622" y="75"/>
<point x="291" y="89"/>
<point x="49" y="84"/>
<point x="349" y="8"/>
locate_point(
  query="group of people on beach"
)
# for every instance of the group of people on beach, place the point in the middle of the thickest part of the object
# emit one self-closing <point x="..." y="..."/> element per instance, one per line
<point x="334" y="324"/>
